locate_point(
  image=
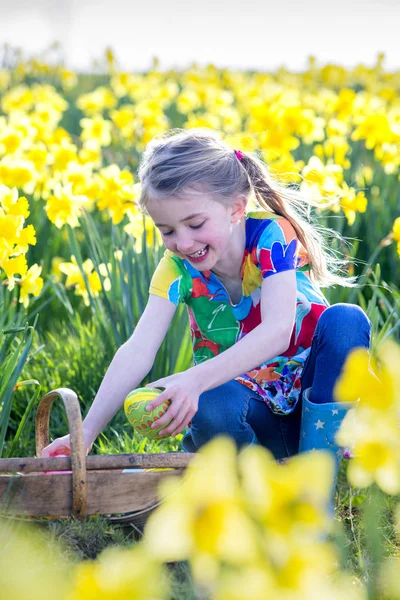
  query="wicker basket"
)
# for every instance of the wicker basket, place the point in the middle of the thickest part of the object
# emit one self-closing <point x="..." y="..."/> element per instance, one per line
<point x="119" y="486"/>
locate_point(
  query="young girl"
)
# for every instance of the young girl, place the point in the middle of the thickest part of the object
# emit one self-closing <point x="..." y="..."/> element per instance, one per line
<point x="265" y="341"/>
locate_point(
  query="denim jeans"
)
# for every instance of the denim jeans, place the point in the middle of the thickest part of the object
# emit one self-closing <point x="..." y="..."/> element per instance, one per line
<point x="233" y="409"/>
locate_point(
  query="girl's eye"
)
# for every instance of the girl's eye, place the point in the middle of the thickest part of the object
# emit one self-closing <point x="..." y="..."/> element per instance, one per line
<point x="197" y="226"/>
<point x="167" y="232"/>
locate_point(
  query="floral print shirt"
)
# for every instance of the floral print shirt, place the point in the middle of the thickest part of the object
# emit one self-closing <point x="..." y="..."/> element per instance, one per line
<point x="216" y="323"/>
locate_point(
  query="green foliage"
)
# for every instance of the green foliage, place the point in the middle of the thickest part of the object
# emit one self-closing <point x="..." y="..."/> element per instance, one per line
<point x="14" y="351"/>
<point x="379" y="300"/>
<point x="81" y="540"/>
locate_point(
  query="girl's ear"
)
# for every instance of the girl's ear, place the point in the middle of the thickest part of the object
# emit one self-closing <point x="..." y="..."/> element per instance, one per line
<point x="239" y="204"/>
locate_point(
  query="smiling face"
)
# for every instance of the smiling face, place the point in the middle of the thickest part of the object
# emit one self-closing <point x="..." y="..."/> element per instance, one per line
<point x="198" y="228"/>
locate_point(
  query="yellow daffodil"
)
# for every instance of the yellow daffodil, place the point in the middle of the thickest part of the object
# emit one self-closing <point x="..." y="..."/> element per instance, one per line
<point x="95" y="102"/>
<point x="137" y="226"/>
<point x="19" y="98"/>
<point x="202" y="517"/>
<point x="76" y="280"/>
<point x="68" y="79"/>
<point x="63" y="207"/>
<point x="31" y="565"/>
<point x="396" y="233"/>
<point x="30" y="283"/>
<point x="373" y="439"/>
<point x="117" y="192"/>
<point x="321" y="182"/>
<point x="63" y="154"/>
<point x="119" y="574"/>
<point x="12" y="266"/>
<point x="124" y="119"/>
<point x="352" y="202"/>
<point x="362" y="378"/>
<point x="371" y="429"/>
<point x="283" y="498"/>
<point x="96" y="129"/>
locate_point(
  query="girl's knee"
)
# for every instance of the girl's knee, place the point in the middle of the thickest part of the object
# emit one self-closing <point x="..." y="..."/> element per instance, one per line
<point x="345" y="315"/>
<point x="223" y="411"/>
<point x="346" y="326"/>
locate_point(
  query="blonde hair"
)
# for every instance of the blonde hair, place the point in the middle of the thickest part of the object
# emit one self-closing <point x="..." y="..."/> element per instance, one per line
<point x="179" y="160"/>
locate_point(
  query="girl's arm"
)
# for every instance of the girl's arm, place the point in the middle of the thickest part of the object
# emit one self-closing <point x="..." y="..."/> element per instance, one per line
<point x="269" y="339"/>
<point x="131" y="363"/>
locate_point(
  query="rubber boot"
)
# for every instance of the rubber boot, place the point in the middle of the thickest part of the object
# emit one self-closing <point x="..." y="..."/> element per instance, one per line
<point x="319" y="424"/>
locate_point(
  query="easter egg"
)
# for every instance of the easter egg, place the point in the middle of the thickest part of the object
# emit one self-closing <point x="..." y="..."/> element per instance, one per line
<point x="141" y="419"/>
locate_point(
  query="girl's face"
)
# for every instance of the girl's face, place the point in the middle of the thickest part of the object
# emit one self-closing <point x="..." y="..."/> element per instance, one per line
<point x="196" y="227"/>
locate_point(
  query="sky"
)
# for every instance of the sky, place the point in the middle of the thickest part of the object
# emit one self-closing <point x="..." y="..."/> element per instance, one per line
<point x="242" y="34"/>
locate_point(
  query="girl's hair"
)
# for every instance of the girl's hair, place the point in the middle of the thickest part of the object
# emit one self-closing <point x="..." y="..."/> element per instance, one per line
<point x="199" y="159"/>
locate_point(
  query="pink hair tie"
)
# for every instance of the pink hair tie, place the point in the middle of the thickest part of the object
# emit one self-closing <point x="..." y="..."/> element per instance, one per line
<point x="239" y="154"/>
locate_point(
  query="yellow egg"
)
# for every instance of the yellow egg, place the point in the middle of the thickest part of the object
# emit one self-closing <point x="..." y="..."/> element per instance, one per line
<point x="137" y="415"/>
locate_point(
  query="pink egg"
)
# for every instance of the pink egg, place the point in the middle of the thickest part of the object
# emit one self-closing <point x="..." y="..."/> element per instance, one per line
<point x="57" y="472"/>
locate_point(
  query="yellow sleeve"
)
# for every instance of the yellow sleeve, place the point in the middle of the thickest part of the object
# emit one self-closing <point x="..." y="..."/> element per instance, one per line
<point x="171" y="279"/>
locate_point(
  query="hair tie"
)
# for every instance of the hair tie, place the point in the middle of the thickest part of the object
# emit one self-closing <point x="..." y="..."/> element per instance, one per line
<point x="239" y="154"/>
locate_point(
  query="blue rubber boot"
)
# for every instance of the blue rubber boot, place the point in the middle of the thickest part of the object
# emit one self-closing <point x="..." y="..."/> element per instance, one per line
<point x="319" y="424"/>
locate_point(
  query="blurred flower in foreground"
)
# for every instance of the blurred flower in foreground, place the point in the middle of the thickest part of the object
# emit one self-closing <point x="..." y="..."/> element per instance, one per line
<point x="251" y="528"/>
<point x="31" y="566"/>
<point x="118" y="575"/>
<point x="203" y="517"/>
<point x="371" y="430"/>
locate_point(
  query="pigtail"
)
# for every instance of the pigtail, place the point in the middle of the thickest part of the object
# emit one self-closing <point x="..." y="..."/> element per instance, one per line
<point x="328" y="267"/>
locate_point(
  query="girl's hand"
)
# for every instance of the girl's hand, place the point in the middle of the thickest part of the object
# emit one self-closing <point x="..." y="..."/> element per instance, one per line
<point x="183" y="390"/>
<point x="62" y="446"/>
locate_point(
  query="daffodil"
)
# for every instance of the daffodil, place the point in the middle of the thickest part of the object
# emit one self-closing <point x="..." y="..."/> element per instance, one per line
<point x="371" y="429"/>
<point x="96" y="129"/>
<point x="119" y="574"/>
<point x="396" y="233"/>
<point x="139" y="225"/>
<point x="321" y="182"/>
<point x="288" y="500"/>
<point x="117" y="192"/>
<point x="352" y="202"/>
<point x="63" y="154"/>
<point x="30" y="283"/>
<point x="202" y="518"/>
<point x="76" y="279"/>
<point x="374" y="442"/>
<point x="31" y="565"/>
<point x="12" y="266"/>
<point x="94" y="103"/>
<point x="364" y="379"/>
<point x="63" y="207"/>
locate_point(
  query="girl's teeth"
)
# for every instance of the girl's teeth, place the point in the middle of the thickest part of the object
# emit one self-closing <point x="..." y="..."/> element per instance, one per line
<point x="199" y="253"/>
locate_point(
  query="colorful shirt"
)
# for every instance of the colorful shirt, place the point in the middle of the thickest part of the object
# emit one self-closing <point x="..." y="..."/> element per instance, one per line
<point x="216" y="323"/>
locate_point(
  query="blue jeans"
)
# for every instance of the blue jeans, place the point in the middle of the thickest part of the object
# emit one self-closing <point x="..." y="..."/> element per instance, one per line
<point x="233" y="409"/>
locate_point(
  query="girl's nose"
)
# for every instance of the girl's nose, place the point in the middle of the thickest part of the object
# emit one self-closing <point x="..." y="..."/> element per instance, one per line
<point x="184" y="244"/>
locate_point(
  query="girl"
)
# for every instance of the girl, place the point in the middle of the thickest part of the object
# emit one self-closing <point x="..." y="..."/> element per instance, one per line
<point x="265" y="342"/>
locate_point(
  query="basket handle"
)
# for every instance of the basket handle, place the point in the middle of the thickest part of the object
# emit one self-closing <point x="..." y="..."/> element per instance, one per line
<point x="78" y="454"/>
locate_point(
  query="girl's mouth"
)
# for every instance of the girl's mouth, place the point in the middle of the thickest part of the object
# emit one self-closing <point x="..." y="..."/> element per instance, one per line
<point x="199" y="256"/>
